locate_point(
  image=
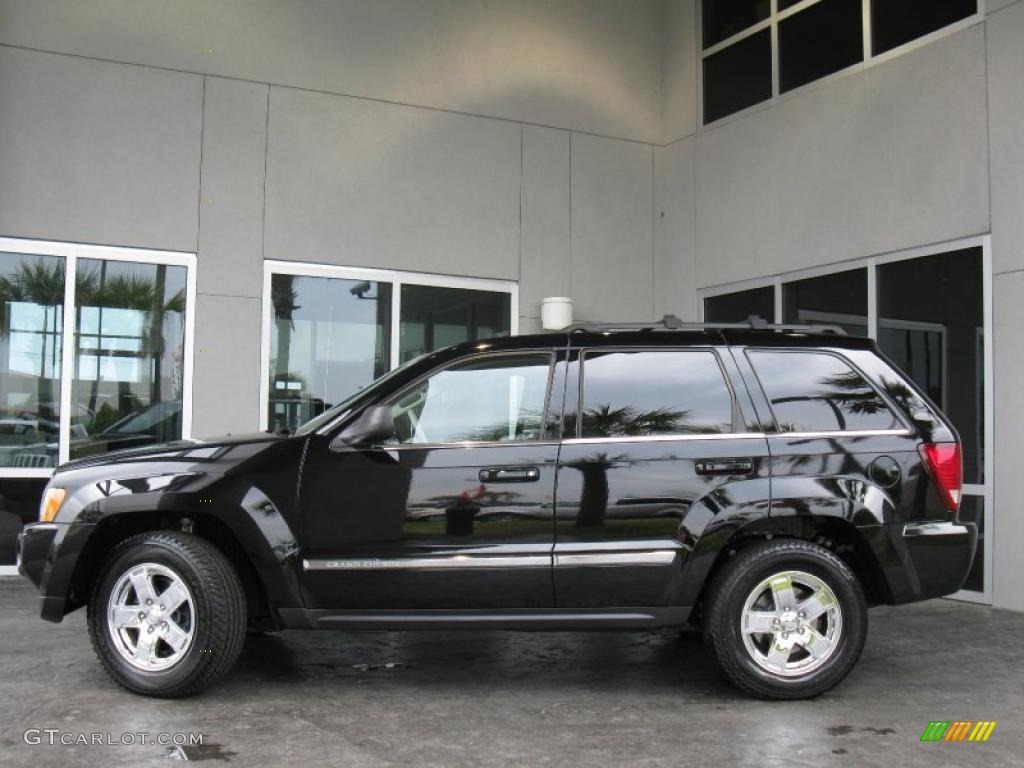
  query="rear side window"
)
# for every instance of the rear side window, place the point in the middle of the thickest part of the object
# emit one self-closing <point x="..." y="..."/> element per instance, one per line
<point x="819" y="392"/>
<point x="627" y="394"/>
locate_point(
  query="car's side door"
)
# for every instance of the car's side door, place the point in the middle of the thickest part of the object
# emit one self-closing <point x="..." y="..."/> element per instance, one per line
<point x="659" y="442"/>
<point x="455" y="511"/>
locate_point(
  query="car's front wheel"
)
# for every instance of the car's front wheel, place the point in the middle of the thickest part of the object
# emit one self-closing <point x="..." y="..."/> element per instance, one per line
<point x="786" y="619"/>
<point x="167" y="614"/>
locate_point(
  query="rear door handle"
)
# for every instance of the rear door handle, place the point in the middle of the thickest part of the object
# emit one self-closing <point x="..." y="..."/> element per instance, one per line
<point x="725" y="466"/>
<point x="509" y="475"/>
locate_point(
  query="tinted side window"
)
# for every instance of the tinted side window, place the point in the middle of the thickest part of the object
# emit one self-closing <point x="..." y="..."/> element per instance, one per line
<point x="818" y="392"/>
<point x="639" y="393"/>
<point x="493" y="399"/>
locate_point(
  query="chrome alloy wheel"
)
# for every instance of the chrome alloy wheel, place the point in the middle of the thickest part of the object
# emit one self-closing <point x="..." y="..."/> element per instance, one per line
<point x="791" y="623"/>
<point x="151" y="617"/>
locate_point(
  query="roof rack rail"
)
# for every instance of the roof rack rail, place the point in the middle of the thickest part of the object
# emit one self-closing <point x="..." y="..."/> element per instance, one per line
<point x="673" y="323"/>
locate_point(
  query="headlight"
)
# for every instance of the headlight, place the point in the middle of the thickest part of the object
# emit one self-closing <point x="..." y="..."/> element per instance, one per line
<point x="50" y="504"/>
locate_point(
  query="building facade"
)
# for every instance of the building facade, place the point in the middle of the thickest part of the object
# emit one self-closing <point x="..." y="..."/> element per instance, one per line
<point x="266" y="205"/>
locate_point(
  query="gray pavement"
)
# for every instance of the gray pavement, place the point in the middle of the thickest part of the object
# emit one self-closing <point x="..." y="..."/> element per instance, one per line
<point x="486" y="698"/>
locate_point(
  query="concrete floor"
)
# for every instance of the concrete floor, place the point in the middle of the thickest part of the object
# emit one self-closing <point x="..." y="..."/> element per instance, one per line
<point x="496" y="699"/>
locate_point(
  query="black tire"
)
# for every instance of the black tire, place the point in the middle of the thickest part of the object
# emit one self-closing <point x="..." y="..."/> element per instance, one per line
<point x="219" y="609"/>
<point x="740" y="577"/>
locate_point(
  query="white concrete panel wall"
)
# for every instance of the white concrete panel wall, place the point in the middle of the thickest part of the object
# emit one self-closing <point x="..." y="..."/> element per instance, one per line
<point x="364" y="183"/>
<point x="590" y="65"/>
<point x="230" y="259"/>
<point x="679" y="70"/>
<point x="612" y="229"/>
<point x="674" y="230"/>
<point x="546" y="236"/>
<point x="97" y="152"/>
<point x="1006" y="131"/>
<point x="889" y="158"/>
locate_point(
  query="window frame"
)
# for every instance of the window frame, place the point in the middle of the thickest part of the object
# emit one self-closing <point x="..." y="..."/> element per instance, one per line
<point x="736" y="414"/>
<point x="396" y="278"/>
<point x="71" y="253"/>
<point x="775" y="16"/>
<point x="905" y="426"/>
<point x="983" y="242"/>
<point x="545" y="437"/>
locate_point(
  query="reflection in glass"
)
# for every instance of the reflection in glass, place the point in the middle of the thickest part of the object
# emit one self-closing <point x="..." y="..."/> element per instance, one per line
<point x="494" y="400"/>
<point x="837" y="299"/>
<point x="434" y="317"/>
<point x="813" y="392"/>
<point x="31" y="303"/>
<point x="654" y="393"/>
<point x="931" y="324"/>
<point x="329" y="338"/>
<point x="738" y="306"/>
<point x="129" y="355"/>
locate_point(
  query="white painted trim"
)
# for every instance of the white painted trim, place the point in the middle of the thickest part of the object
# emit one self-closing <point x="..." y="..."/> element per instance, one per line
<point x="71" y="253"/>
<point x="67" y="357"/>
<point x="9" y="570"/>
<point x="396" y="278"/>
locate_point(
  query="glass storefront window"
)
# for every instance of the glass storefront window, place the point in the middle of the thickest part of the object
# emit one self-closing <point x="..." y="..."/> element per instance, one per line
<point x="129" y="355"/>
<point x="328" y="338"/>
<point x="740" y="305"/>
<point x="930" y="319"/>
<point x="31" y="335"/>
<point x="837" y="299"/>
<point x="434" y="317"/>
<point x="931" y="324"/>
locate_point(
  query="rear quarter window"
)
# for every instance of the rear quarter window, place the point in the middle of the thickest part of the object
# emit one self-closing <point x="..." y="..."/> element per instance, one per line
<point x="819" y="392"/>
<point x="654" y="392"/>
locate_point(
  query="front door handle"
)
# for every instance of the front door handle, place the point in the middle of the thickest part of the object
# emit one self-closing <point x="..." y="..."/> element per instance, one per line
<point x="725" y="466"/>
<point x="509" y="475"/>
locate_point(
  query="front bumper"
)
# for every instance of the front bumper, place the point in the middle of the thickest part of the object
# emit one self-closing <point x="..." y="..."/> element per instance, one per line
<point x="34" y="544"/>
<point x="926" y="559"/>
<point x="47" y="556"/>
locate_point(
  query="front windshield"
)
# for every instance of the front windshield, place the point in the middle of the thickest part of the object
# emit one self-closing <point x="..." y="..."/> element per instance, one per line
<point x="336" y="410"/>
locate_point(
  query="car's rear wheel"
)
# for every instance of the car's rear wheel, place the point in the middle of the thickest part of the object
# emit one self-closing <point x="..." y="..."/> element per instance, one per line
<point x="786" y="619"/>
<point x="167" y="614"/>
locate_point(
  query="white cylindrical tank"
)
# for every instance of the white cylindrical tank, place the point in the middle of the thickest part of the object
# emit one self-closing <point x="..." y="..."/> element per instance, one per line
<point x="555" y="313"/>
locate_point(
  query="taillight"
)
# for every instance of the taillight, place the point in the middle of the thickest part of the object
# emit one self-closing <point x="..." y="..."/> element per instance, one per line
<point x="945" y="467"/>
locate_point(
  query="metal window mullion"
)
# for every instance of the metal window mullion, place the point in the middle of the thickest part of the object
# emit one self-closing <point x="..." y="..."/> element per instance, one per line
<point x="872" y="269"/>
<point x="777" y="299"/>
<point x="67" y="357"/>
<point x="775" y="50"/>
<point x="866" y="29"/>
<point x="396" y="315"/>
<point x="988" y="414"/>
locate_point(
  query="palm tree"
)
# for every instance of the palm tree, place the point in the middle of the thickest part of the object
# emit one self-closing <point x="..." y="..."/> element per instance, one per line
<point x="34" y="282"/>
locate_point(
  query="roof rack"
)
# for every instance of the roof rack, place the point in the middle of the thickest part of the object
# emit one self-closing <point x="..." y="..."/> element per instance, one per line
<point x="673" y="323"/>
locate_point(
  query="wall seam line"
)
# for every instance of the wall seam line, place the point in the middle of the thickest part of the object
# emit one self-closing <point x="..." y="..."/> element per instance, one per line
<point x="266" y="153"/>
<point x="199" y="200"/>
<point x="341" y="94"/>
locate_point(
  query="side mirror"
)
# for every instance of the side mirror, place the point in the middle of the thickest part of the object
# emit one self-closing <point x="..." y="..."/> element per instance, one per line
<point x="375" y="424"/>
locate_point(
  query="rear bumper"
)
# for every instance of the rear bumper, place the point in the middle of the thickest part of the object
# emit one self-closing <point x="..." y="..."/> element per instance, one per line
<point x="927" y="559"/>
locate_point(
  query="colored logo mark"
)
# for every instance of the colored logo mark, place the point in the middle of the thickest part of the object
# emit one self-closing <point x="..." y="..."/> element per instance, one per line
<point x="958" y="730"/>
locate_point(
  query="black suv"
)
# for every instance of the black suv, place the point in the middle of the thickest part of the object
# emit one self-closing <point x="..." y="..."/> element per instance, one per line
<point x="767" y="482"/>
